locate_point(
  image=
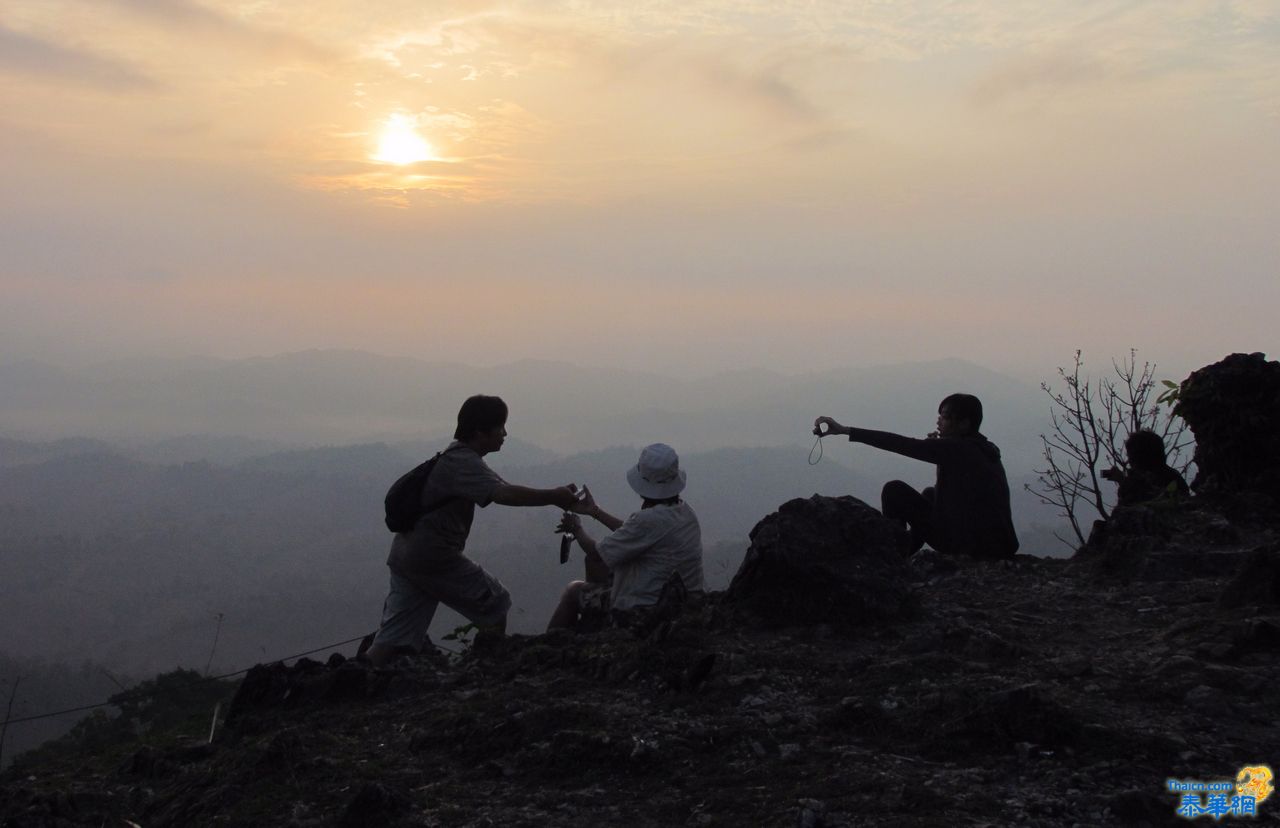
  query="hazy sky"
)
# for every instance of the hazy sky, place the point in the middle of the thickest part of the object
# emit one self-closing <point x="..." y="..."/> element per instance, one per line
<point x="673" y="186"/>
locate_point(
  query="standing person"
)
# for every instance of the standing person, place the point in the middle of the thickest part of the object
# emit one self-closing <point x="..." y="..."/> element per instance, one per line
<point x="427" y="564"/>
<point x="967" y="510"/>
<point x="627" y="568"/>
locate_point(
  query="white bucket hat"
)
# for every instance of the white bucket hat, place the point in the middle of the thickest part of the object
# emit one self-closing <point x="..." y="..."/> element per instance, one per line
<point x="658" y="475"/>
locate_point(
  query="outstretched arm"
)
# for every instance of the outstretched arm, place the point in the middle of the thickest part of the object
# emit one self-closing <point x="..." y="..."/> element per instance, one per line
<point x="507" y="494"/>
<point x="929" y="451"/>
<point x="926" y="450"/>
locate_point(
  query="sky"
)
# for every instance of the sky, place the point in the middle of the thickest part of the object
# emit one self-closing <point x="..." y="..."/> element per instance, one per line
<point x="678" y="187"/>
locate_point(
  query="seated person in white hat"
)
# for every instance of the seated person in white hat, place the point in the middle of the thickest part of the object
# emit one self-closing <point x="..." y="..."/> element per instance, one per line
<point x="627" y="568"/>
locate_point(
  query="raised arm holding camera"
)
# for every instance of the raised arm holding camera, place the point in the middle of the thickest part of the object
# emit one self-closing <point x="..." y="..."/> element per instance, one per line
<point x="967" y="510"/>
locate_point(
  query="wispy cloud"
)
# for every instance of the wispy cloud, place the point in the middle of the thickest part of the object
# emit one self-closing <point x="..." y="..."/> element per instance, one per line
<point x="1042" y="75"/>
<point x="191" y="17"/>
<point x="23" y="54"/>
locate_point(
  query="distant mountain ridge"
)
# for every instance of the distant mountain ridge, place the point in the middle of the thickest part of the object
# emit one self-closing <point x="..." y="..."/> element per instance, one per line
<point x="230" y="411"/>
<point x="342" y="397"/>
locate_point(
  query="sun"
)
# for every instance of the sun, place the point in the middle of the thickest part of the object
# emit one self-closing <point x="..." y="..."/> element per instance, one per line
<point x="400" y="143"/>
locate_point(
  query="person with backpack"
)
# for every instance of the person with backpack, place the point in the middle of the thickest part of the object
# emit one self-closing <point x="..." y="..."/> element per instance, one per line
<point x="427" y="564"/>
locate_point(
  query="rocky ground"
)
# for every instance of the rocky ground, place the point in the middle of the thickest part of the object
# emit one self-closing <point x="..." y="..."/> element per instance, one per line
<point x="1024" y="692"/>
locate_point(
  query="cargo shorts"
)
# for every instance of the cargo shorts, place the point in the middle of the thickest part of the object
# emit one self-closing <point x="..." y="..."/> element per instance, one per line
<point x="461" y="584"/>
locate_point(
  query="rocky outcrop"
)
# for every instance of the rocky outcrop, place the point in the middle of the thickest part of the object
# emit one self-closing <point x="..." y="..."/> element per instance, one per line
<point x="1257" y="583"/>
<point x="824" y="560"/>
<point x="1020" y="693"/>
<point x="1169" y="540"/>
<point x="1233" y="408"/>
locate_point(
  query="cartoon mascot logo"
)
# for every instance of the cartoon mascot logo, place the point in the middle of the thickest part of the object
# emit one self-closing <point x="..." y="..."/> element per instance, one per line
<point x="1255" y="781"/>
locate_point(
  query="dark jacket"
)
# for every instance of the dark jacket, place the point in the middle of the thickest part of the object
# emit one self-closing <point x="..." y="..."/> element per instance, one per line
<point x="1142" y="485"/>
<point x="971" y="513"/>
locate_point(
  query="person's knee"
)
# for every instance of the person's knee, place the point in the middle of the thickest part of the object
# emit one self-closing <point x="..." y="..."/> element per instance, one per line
<point x="572" y="592"/>
<point x="489" y="609"/>
<point x="566" y="611"/>
<point x="893" y="496"/>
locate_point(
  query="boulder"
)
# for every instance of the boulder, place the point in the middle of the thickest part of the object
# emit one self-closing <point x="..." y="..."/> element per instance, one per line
<point x="825" y="560"/>
<point x="1233" y="409"/>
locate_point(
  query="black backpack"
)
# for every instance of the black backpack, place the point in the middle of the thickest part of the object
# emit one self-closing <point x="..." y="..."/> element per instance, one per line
<point x="403" y="503"/>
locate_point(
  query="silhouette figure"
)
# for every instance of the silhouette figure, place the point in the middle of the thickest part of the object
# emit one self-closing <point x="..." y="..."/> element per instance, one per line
<point x="428" y="567"/>
<point x="967" y="509"/>
<point x="1149" y="475"/>
<point x="628" y="568"/>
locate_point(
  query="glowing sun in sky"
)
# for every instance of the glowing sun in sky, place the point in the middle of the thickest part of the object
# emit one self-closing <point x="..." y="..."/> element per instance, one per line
<point x="400" y="143"/>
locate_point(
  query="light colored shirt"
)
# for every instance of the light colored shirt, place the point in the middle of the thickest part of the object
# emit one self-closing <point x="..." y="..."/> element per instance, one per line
<point x="441" y="534"/>
<point x="647" y="548"/>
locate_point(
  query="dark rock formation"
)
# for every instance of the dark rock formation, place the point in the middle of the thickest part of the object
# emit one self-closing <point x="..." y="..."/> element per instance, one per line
<point x="1020" y="693"/>
<point x="273" y="686"/>
<point x="1164" y="541"/>
<point x="375" y="805"/>
<point x="1258" y="581"/>
<point x="1233" y="408"/>
<point x="824" y="560"/>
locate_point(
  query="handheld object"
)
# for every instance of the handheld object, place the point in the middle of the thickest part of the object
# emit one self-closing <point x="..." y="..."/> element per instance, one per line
<point x="817" y="447"/>
<point x="566" y="542"/>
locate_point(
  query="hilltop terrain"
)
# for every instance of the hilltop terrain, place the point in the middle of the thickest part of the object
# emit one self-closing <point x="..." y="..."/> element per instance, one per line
<point x="1025" y="692"/>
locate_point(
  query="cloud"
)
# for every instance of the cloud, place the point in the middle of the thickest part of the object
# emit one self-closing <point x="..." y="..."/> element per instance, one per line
<point x="1041" y="75"/>
<point x="764" y="87"/>
<point x="23" y="54"/>
<point x="190" y="17"/>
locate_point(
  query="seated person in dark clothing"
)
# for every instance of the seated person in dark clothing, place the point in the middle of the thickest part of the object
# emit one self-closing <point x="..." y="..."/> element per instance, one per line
<point x="1149" y="475"/>
<point x="967" y="510"/>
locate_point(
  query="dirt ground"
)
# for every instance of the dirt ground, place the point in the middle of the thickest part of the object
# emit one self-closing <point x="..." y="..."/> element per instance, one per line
<point x="1025" y="692"/>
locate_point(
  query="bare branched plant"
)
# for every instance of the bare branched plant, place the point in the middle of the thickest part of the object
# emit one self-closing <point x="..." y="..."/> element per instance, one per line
<point x="1091" y="420"/>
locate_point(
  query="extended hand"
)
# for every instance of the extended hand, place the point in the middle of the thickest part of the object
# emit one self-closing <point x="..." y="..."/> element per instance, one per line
<point x="586" y="502"/>
<point x="566" y="497"/>
<point x="832" y="427"/>
<point x="570" y="524"/>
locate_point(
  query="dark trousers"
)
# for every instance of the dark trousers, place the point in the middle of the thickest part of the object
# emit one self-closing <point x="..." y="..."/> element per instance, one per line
<point x="898" y="501"/>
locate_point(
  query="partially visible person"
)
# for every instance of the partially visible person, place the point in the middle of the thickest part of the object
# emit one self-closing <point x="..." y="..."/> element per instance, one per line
<point x="627" y="569"/>
<point x="967" y="509"/>
<point x="427" y="564"/>
<point x="1149" y="475"/>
